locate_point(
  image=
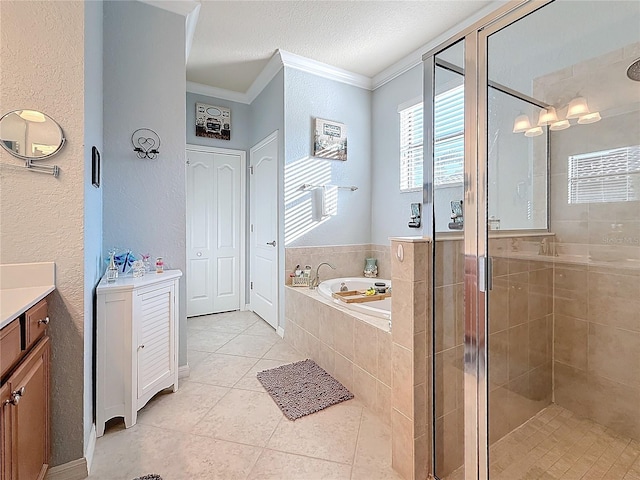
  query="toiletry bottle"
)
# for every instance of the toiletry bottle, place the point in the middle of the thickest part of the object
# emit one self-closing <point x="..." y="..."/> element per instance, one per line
<point x="159" y="265"/>
<point x="112" y="270"/>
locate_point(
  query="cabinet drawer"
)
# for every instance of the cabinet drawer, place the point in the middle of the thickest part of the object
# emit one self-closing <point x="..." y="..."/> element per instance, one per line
<point x="9" y="346"/>
<point x="36" y="324"/>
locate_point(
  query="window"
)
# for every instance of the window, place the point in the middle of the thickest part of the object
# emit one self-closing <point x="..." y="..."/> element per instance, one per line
<point x="605" y="176"/>
<point x="449" y="141"/>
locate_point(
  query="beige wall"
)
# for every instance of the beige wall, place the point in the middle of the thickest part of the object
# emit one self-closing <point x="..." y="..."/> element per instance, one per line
<point x="41" y="217"/>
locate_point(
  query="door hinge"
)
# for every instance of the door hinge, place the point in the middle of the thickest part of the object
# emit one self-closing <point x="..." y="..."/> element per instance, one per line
<point x="251" y="170"/>
<point x="252" y="228"/>
<point x="251" y="285"/>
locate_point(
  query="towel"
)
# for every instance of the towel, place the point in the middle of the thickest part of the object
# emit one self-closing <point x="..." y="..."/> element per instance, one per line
<point x="329" y="200"/>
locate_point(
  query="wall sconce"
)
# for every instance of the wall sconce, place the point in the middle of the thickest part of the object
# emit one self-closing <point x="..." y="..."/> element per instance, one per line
<point x="521" y="124"/>
<point x="577" y="108"/>
<point x="146" y="143"/>
<point x="547" y="115"/>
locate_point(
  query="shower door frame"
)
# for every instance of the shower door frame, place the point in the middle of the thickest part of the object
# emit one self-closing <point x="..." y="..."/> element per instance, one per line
<point x="477" y="265"/>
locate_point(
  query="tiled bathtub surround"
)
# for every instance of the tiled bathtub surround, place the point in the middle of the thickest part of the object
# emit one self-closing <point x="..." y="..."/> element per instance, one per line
<point x="348" y="259"/>
<point x="353" y="347"/>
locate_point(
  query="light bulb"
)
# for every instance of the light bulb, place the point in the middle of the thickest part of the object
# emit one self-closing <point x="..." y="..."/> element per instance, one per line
<point x="560" y="125"/>
<point x="547" y="115"/>
<point x="533" y="132"/>
<point x="521" y="124"/>
<point x="577" y="107"/>
<point x="590" y="118"/>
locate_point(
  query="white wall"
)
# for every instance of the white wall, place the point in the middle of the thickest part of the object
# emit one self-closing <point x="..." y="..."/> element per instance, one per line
<point x="390" y="208"/>
<point x="308" y="97"/>
<point x="93" y="265"/>
<point x="42" y="50"/>
<point x="144" y="87"/>
<point x="240" y="123"/>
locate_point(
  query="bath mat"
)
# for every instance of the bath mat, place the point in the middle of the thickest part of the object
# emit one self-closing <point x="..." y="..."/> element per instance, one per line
<point x="302" y="388"/>
<point x="151" y="476"/>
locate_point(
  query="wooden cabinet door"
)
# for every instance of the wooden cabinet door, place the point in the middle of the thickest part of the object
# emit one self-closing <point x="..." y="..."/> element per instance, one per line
<point x="29" y="416"/>
<point x="5" y="429"/>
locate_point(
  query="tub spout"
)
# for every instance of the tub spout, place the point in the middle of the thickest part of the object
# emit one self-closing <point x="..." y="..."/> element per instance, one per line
<point x="316" y="280"/>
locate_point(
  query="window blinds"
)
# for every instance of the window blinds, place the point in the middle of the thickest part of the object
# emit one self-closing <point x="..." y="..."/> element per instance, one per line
<point x="605" y="176"/>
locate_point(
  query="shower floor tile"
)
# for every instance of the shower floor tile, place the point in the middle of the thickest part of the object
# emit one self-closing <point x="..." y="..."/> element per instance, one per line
<point x="556" y="445"/>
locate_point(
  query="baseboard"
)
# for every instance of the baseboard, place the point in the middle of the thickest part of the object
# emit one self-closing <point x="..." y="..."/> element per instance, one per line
<point x="280" y="331"/>
<point x="184" y="371"/>
<point x="248" y="307"/>
<point x="73" y="470"/>
<point x="91" y="447"/>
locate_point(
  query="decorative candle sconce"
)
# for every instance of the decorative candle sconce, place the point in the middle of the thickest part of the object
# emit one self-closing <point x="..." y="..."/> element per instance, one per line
<point x="146" y="143"/>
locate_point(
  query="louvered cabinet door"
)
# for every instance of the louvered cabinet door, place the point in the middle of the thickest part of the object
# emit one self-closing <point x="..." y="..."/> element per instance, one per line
<point x="156" y="337"/>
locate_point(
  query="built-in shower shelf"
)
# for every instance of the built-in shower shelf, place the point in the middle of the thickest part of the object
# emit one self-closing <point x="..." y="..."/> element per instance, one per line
<point x="357" y="296"/>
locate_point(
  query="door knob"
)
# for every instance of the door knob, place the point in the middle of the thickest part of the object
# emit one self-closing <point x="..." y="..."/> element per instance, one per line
<point x="273" y="244"/>
<point x="199" y="254"/>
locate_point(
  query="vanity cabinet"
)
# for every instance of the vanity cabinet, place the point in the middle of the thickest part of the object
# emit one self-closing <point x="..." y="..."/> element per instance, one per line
<point x="136" y="344"/>
<point x="24" y="398"/>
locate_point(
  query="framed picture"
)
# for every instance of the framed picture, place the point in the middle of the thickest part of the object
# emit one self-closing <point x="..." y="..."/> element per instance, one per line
<point x="213" y="122"/>
<point x="330" y="140"/>
<point x="95" y="167"/>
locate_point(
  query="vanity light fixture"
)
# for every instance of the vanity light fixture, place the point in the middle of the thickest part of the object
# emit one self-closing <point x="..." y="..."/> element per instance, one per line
<point x="577" y="108"/>
<point x="533" y="132"/>
<point x="589" y="118"/>
<point x="146" y="143"/>
<point x="560" y="125"/>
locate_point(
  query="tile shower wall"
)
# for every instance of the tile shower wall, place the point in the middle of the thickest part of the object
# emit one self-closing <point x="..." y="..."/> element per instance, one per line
<point x="520" y="348"/>
<point x="348" y="260"/>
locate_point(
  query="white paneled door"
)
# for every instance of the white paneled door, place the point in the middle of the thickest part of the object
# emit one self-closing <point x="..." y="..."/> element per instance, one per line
<point x="264" y="229"/>
<point x="215" y="247"/>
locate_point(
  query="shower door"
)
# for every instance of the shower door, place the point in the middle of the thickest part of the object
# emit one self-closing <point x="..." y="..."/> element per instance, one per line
<point x="535" y="292"/>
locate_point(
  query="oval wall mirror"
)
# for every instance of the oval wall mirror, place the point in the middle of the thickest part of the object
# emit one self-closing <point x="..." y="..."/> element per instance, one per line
<point x="30" y="135"/>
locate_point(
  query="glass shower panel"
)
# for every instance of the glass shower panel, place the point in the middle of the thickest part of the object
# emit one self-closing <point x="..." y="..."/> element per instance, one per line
<point x="448" y="308"/>
<point x="563" y="122"/>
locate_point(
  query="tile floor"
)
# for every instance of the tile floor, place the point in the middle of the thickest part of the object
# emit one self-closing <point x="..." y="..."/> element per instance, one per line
<point x="556" y="445"/>
<point x="221" y="424"/>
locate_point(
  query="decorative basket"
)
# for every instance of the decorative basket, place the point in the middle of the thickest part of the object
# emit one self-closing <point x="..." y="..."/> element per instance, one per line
<point x="299" y="281"/>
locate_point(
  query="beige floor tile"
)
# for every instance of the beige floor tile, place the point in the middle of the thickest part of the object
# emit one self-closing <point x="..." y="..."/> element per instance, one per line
<point x="241" y="416"/>
<point x="248" y="345"/>
<point x="374" y="443"/>
<point x="250" y="380"/>
<point x="207" y="340"/>
<point x="285" y="352"/>
<point x="221" y="370"/>
<point x="183" y="409"/>
<point x="194" y="357"/>
<point x="261" y="328"/>
<point x="231" y="322"/>
<point x="330" y="434"/>
<point x="274" y="465"/>
<point x="363" y="472"/>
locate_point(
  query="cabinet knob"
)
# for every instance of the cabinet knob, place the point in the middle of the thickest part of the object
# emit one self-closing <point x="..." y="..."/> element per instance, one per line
<point x="44" y="321"/>
<point x="15" y="397"/>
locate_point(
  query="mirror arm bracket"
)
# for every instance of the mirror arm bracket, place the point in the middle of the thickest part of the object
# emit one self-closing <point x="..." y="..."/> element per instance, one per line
<point x="50" y="169"/>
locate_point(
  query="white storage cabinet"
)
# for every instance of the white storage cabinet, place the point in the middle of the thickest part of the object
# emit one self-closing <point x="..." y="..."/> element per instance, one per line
<point x="136" y="343"/>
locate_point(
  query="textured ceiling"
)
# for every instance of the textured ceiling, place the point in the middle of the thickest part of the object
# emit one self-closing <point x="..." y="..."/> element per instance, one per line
<point x="235" y="39"/>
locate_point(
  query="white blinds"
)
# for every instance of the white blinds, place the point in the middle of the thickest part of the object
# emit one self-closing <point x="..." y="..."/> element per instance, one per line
<point x="449" y="141"/>
<point x="411" y="133"/>
<point x="449" y="137"/>
<point x="605" y="176"/>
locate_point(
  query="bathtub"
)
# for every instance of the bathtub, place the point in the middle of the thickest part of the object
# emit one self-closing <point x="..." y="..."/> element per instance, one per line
<point x="377" y="308"/>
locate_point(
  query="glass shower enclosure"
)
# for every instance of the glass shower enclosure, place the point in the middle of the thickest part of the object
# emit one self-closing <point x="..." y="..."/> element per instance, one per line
<point x="533" y="132"/>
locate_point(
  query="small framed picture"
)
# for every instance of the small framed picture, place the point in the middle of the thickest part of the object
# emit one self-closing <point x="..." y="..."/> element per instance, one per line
<point x="95" y="167"/>
<point x="330" y="140"/>
<point x="213" y="122"/>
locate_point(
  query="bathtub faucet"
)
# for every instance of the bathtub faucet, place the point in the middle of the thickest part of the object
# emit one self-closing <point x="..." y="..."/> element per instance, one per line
<point x="316" y="281"/>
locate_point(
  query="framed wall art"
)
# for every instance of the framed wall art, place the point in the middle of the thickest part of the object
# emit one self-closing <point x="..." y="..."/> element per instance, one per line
<point x="213" y="122"/>
<point x="330" y="140"/>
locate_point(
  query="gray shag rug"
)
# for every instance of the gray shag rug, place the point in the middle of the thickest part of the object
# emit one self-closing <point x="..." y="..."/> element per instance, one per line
<point x="151" y="476"/>
<point x="302" y="388"/>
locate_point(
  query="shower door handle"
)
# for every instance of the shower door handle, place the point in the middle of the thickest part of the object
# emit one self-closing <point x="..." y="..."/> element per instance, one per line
<point x="273" y="244"/>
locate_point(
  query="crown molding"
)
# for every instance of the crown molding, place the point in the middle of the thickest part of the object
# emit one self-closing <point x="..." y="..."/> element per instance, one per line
<point x="269" y="71"/>
<point x="324" y="70"/>
<point x="224" y="94"/>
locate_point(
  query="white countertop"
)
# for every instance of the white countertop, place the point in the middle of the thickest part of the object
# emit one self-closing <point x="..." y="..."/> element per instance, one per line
<point x="129" y="282"/>
<point x="22" y="285"/>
